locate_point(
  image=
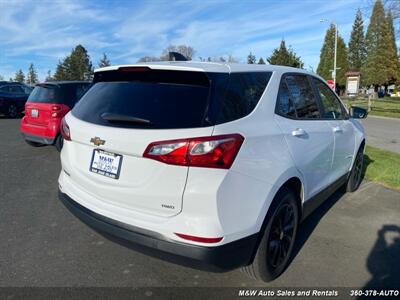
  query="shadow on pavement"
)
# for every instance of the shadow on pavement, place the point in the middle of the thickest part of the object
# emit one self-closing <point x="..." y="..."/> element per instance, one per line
<point x="384" y="259"/>
<point x="310" y="223"/>
<point x="19" y="116"/>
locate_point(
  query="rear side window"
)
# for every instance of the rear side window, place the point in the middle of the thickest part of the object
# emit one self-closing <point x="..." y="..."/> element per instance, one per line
<point x="330" y="104"/>
<point x="242" y="95"/>
<point x="302" y="95"/>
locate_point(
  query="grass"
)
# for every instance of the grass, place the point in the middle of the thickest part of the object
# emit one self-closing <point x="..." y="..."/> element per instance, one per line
<point x="382" y="167"/>
<point x="386" y="107"/>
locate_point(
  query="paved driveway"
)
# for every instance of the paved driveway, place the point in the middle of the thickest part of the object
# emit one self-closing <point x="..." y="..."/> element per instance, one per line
<point x="383" y="133"/>
<point x="351" y="240"/>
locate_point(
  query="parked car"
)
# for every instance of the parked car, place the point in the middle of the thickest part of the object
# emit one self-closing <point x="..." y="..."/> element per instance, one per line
<point x="13" y="96"/>
<point x="212" y="165"/>
<point x="46" y="106"/>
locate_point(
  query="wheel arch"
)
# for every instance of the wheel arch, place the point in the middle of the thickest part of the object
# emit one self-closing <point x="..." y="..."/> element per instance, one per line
<point x="293" y="183"/>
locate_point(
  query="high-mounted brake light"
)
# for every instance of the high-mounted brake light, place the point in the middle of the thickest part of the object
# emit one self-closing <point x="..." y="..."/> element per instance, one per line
<point x="133" y="69"/>
<point x="64" y="129"/>
<point x="199" y="239"/>
<point x="207" y="152"/>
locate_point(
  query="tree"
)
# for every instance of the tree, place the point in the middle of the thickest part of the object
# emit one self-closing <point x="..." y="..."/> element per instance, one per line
<point x="32" y="77"/>
<point x="392" y="63"/>
<point x="382" y="65"/>
<point x="49" y="77"/>
<point x="19" y="76"/>
<point x="261" y="61"/>
<point x="76" y="66"/>
<point x="1" y="77"/>
<point x="104" y="61"/>
<point x="251" y="59"/>
<point x="357" y="51"/>
<point x="285" y="57"/>
<point x="325" y="66"/>
<point x="61" y="71"/>
<point x="148" y="59"/>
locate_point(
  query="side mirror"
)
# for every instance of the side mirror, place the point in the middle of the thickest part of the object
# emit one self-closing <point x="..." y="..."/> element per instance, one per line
<point x="358" y="112"/>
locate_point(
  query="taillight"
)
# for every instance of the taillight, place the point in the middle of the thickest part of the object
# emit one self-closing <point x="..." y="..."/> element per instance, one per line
<point x="207" y="152"/>
<point x="56" y="111"/>
<point x="64" y="129"/>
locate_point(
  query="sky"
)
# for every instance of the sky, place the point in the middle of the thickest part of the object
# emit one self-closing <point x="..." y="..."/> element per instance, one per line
<point x="44" y="32"/>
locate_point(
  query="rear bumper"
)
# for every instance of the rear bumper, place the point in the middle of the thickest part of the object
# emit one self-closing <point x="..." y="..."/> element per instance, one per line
<point x="219" y="258"/>
<point x="45" y="134"/>
<point x="38" y="139"/>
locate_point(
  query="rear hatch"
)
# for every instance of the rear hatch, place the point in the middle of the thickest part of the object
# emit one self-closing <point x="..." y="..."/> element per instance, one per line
<point x="47" y="100"/>
<point x="116" y="120"/>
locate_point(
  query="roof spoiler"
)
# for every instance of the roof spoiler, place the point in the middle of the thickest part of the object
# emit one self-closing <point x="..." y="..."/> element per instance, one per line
<point x="175" y="56"/>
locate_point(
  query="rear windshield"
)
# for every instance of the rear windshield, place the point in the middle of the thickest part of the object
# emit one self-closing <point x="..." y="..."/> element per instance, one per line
<point x="67" y="94"/>
<point x="157" y="99"/>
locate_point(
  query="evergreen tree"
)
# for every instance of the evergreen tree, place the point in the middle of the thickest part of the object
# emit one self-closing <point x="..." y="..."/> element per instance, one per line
<point x="19" y="76"/>
<point x="49" y="77"/>
<point x="32" y="77"/>
<point x="1" y="77"/>
<point x="357" y="52"/>
<point x="251" y="59"/>
<point x="61" y="71"/>
<point x="104" y="61"/>
<point x="76" y="66"/>
<point x="325" y="66"/>
<point x="261" y="61"/>
<point x="392" y="63"/>
<point x="373" y="71"/>
<point x="285" y="57"/>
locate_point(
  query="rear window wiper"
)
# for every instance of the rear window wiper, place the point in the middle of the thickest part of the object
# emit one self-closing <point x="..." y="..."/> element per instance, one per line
<point x="118" y="118"/>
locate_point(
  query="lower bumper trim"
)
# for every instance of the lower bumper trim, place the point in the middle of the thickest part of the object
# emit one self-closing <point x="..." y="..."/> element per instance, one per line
<point x="38" y="139"/>
<point x="217" y="259"/>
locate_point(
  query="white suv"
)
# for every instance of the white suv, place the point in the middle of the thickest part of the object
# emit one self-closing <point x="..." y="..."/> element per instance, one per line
<point x="215" y="164"/>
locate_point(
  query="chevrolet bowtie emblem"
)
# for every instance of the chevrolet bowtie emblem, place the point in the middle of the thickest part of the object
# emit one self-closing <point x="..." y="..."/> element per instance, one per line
<point x="97" y="141"/>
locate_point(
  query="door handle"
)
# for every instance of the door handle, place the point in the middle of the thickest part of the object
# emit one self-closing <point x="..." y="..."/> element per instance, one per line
<point x="337" y="129"/>
<point x="298" y="132"/>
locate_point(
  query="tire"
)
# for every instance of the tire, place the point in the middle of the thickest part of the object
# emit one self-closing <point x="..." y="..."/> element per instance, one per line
<point x="275" y="249"/>
<point x="33" y="144"/>
<point x="355" y="177"/>
<point x="12" y="111"/>
<point x="58" y="143"/>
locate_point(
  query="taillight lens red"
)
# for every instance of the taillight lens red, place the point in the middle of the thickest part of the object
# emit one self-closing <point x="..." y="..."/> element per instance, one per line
<point x="56" y="111"/>
<point x="64" y="129"/>
<point x="207" y="152"/>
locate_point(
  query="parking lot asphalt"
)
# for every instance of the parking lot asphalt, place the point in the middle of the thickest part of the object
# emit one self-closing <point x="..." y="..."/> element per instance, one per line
<point x="352" y="240"/>
<point x="383" y="132"/>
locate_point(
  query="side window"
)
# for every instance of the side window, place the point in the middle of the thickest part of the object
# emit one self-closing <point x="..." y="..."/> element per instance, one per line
<point x="330" y="104"/>
<point x="242" y="95"/>
<point x="15" y="89"/>
<point x="303" y="96"/>
<point x="285" y="104"/>
<point x="4" y="89"/>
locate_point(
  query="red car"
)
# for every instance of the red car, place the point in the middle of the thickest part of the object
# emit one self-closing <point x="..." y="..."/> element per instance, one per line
<point x="48" y="103"/>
